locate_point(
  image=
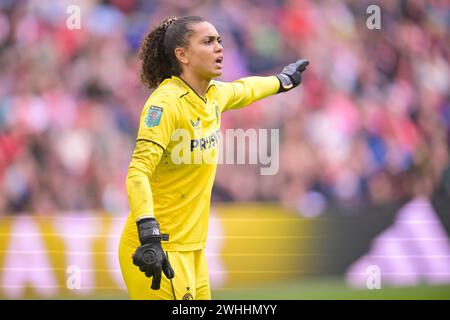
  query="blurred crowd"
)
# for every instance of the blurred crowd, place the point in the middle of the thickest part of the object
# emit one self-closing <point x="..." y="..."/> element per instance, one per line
<point x="369" y="124"/>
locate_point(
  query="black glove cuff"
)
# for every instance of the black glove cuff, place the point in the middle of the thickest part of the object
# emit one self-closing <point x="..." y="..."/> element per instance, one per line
<point x="148" y="230"/>
<point x="285" y="82"/>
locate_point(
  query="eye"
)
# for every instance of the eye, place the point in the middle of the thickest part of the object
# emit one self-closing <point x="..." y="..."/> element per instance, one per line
<point x="219" y="40"/>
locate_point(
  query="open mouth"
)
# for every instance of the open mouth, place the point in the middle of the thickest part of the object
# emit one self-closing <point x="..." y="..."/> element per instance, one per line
<point x="219" y="60"/>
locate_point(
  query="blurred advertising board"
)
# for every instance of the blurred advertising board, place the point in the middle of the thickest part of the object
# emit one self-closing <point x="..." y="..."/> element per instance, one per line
<point x="75" y="254"/>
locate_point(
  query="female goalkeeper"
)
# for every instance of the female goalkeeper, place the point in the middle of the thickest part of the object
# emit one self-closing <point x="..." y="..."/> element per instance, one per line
<point x="169" y="182"/>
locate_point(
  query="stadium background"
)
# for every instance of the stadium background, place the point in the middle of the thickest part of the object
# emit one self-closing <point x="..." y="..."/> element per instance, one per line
<point x="364" y="176"/>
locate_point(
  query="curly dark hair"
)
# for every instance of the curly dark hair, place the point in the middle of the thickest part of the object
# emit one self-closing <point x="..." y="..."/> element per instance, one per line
<point x="158" y="49"/>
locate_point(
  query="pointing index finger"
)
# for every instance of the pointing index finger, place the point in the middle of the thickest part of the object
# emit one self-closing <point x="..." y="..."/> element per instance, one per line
<point x="301" y="64"/>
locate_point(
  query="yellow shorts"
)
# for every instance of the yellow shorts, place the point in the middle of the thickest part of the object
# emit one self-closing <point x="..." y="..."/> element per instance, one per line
<point x="191" y="281"/>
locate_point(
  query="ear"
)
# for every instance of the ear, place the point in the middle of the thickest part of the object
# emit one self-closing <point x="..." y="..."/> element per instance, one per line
<point x="182" y="55"/>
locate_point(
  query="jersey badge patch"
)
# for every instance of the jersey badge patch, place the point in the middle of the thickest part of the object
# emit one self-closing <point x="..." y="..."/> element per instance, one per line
<point x="153" y="116"/>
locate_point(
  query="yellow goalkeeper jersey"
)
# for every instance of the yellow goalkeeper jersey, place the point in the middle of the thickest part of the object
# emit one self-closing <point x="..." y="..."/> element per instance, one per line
<point x="172" y="170"/>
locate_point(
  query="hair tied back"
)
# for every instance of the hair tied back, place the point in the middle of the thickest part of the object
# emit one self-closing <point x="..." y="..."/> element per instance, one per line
<point x="169" y="22"/>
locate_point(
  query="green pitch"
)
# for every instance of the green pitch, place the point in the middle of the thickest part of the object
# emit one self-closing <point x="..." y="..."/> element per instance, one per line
<point x="334" y="289"/>
<point x="320" y="289"/>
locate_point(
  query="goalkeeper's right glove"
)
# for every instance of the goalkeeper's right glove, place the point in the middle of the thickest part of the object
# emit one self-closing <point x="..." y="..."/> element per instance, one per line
<point x="149" y="256"/>
<point x="291" y="75"/>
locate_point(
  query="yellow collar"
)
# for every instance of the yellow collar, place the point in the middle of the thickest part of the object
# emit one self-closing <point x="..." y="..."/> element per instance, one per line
<point x="185" y="85"/>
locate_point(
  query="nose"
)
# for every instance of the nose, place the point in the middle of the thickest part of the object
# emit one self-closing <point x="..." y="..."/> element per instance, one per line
<point x="219" y="47"/>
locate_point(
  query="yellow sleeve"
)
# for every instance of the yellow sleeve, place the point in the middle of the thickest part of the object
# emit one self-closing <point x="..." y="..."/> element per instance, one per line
<point x="245" y="91"/>
<point x="144" y="161"/>
<point x="158" y="119"/>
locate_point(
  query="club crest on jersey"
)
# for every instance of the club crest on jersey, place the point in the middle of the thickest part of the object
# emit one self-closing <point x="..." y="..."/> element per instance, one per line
<point x="188" y="295"/>
<point x="153" y="116"/>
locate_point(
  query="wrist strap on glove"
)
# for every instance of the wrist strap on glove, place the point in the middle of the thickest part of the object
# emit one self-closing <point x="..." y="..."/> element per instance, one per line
<point x="291" y="75"/>
<point x="285" y="82"/>
<point x="148" y="230"/>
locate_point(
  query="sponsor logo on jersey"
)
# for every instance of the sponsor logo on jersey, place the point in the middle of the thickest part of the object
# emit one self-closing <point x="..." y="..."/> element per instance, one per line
<point x="207" y="142"/>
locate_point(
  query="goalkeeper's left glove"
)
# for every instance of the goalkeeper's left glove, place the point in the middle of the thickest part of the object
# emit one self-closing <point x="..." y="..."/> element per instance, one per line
<point x="291" y="76"/>
<point x="149" y="256"/>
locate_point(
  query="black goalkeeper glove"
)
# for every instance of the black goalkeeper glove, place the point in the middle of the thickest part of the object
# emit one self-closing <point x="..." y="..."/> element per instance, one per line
<point x="291" y="76"/>
<point x="149" y="256"/>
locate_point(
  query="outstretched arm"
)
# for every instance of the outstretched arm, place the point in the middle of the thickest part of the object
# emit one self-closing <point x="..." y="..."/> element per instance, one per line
<point x="240" y="93"/>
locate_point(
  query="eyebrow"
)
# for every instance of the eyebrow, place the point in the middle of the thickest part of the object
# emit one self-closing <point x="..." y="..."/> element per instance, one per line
<point x="212" y="37"/>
